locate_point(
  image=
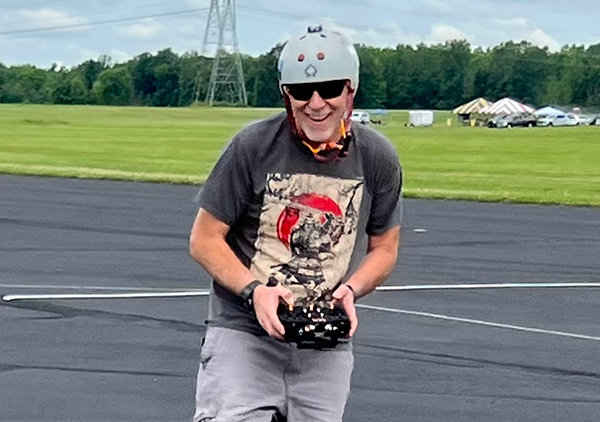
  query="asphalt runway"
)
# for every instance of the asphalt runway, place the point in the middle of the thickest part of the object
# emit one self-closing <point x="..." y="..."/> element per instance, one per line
<point x="458" y="355"/>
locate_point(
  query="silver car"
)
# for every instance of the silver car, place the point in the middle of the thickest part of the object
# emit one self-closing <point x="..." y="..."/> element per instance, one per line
<point x="583" y="120"/>
<point x="558" y="120"/>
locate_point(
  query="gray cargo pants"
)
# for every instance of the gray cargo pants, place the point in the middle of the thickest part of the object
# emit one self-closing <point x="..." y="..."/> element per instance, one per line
<point x="247" y="378"/>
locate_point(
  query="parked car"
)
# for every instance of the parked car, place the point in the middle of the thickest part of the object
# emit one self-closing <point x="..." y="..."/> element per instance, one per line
<point x="518" y="119"/>
<point x="558" y="120"/>
<point x="572" y="119"/>
<point x="360" y="117"/>
<point x="494" y="120"/>
<point x="582" y="120"/>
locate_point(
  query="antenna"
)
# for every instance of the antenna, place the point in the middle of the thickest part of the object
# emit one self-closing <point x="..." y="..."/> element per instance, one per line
<point x="227" y="77"/>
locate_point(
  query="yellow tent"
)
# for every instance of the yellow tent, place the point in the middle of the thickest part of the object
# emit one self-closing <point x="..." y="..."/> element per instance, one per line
<point x="474" y="106"/>
<point x="468" y="113"/>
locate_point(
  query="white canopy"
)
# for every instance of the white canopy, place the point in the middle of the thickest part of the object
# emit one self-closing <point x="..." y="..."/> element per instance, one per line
<point x="548" y="111"/>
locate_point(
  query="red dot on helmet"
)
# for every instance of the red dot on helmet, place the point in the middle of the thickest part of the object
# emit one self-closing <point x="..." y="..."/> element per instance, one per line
<point x="320" y="56"/>
<point x="301" y="57"/>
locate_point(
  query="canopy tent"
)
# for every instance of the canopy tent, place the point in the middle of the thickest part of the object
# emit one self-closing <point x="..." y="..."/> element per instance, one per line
<point x="474" y="106"/>
<point x="548" y="111"/>
<point x="507" y="106"/>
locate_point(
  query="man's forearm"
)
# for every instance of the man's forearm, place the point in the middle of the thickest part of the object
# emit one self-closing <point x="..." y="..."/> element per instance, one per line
<point x="376" y="266"/>
<point x="217" y="258"/>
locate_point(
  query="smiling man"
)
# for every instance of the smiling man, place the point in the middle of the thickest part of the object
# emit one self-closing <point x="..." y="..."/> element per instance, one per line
<point x="301" y="207"/>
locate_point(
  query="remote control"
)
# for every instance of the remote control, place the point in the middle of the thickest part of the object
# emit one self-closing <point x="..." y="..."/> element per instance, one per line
<point x="315" y="325"/>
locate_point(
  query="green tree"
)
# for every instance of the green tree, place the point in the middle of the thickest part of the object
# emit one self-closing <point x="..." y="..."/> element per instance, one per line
<point x="478" y="75"/>
<point x="114" y="87"/>
<point x="397" y="64"/>
<point x="3" y="77"/>
<point x="425" y="76"/>
<point x="193" y="78"/>
<point x="72" y="89"/>
<point x="156" y="78"/>
<point x="29" y="84"/>
<point x="91" y="69"/>
<point x="264" y="80"/>
<point x="456" y="58"/>
<point x="372" y="85"/>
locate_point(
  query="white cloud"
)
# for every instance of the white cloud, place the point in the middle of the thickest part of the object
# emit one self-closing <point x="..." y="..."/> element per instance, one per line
<point x="515" y="22"/>
<point x="83" y="54"/>
<point x="540" y="38"/>
<point x="59" y="64"/>
<point x="441" y="33"/>
<point x="45" y="18"/>
<point x="388" y="35"/>
<point x="145" y="30"/>
<point x="119" y="56"/>
<point x="285" y="36"/>
<point x="520" y="28"/>
<point x="87" y="54"/>
<point x="490" y="22"/>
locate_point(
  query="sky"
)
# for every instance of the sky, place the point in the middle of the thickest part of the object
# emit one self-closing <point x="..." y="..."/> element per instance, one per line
<point x="68" y="32"/>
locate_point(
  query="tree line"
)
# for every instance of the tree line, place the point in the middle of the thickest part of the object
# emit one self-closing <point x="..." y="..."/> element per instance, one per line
<point x="440" y="76"/>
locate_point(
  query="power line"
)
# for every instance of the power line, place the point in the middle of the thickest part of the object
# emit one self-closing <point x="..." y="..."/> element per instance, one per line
<point x="87" y="15"/>
<point x="295" y="17"/>
<point x="108" y="21"/>
<point x="379" y="30"/>
<point x="385" y="31"/>
<point x="37" y="3"/>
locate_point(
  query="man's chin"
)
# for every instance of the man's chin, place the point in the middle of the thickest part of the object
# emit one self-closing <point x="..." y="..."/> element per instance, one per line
<point x="318" y="136"/>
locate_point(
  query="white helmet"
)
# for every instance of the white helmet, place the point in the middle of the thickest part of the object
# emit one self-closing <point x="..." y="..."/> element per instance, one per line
<point x="318" y="56"/>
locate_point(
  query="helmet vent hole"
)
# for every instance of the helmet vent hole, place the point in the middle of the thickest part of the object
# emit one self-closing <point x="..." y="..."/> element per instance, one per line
<point x="320" y="56"/>
<point x="301" y="57"/>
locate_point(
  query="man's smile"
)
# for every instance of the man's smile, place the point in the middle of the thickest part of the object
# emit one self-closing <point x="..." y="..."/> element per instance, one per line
<point x="319" y="119"/>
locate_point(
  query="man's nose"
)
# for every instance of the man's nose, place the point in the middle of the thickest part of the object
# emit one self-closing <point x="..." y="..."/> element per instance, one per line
<point x="316" y="101"/>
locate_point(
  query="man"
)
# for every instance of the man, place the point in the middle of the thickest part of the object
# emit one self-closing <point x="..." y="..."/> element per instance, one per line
<point x="287" y="214"/>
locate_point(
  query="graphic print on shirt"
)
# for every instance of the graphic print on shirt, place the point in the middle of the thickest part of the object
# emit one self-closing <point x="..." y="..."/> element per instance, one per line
<point x="307" y="232"/>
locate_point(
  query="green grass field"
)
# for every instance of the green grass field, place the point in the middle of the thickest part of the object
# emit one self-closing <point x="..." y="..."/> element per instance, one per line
<point x="180" y="145"/>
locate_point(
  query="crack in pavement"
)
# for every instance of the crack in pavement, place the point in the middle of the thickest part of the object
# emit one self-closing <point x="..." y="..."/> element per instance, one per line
<point x="67" y="312"/>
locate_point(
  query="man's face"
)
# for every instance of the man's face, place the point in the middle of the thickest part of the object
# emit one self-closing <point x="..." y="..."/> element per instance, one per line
<point x="319" y="108"/>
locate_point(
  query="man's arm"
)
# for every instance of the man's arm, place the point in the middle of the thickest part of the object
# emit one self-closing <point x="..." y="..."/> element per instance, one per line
<point x="209" y="248"/>
<point x="382" y="253"/>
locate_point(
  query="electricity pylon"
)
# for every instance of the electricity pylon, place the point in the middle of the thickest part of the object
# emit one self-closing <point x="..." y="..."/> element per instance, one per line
<point x="227" y="77"/>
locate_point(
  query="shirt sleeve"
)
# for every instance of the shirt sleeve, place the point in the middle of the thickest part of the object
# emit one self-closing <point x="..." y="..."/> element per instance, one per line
<point x="386" y="206"/>
<point x="228" y="188"/>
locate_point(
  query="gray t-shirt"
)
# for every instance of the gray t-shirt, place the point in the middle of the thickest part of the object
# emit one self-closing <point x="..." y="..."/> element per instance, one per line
<point x="294" y="220"/>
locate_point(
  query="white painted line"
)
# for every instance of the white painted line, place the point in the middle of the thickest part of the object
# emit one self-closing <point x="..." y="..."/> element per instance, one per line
<point x="420" y="230"/>
<point x="136" y="292"/>
<point x="380" y="288"/>
<point x="479" y="322"/>
<point x="107" y="288"/>
<point x="485" y="286"/>
<point x="190" y="293"/>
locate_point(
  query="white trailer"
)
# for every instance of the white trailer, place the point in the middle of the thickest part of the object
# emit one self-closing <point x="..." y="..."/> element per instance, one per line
<point x="420" y="118"/>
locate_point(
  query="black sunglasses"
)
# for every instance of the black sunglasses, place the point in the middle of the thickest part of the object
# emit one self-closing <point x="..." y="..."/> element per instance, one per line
<point x="327" y="90"/>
